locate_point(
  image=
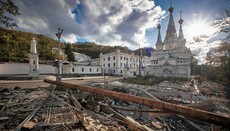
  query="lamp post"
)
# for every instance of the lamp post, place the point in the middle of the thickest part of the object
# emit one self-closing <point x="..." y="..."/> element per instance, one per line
<point x="58" y="79"/>
<point x="140" y="59"/>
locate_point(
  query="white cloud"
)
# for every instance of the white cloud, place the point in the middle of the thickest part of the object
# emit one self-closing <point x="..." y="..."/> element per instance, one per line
<point x="71" y="38"/>
<point x="107" y="22"/>
<point x="200" y="49"/>
<point x="201" y="35"/>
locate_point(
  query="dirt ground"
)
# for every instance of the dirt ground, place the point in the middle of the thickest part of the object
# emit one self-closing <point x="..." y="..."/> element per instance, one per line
<point x="36" y="83"/>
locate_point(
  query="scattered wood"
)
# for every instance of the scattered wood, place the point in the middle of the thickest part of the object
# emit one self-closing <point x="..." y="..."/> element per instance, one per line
<point x="190" y="124"/>
<point x="29" y="125"/>
<point x="182" y="110"/>
<point x="117" y="115"/>
<point x="75" y="101"/>
<point x="133" y="110"/>
<point x="4" y="118"/>
<point x="157" y="125"/>
<point x="31" y="115"/>
<point x="75" y="123"/>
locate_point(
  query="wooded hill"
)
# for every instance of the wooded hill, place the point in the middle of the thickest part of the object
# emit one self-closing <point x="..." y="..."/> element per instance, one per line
<point x="15" y="46"/>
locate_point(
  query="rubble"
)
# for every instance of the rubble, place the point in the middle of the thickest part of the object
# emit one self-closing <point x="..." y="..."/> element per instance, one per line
<point x="122" y="107"/>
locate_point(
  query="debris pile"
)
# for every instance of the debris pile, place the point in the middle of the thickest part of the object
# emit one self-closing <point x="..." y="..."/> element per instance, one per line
<point x="60" y="108"/>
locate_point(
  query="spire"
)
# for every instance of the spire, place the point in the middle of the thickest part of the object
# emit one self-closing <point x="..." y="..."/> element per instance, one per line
<point x="171" y="30"/>
<point x="181" y="36"/>
<point x="159" y="41"/>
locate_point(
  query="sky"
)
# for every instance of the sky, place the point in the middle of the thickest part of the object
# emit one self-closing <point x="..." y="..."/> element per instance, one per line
<point x="130" y="23"/>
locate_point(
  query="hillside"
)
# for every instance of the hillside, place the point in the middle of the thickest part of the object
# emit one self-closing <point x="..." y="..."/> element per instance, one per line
<point x="15" y="45"/>
<point x="93" y="50"/>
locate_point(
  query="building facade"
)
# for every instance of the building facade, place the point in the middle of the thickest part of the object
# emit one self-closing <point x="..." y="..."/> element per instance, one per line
<point x="79" y="57"/>
<point x="116" y="63"/>
<point x="81" y="69"/>
<point x="171" y="58"/>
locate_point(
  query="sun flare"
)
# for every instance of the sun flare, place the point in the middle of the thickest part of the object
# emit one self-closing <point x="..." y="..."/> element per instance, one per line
<point x="199" y="28"/>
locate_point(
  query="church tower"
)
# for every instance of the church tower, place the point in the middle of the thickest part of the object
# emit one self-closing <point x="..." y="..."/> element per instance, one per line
<point x="33" y="60"/>
<point x="171" y="35"/>
<point x="159" y="44"/>
<point x="181" y="39"/>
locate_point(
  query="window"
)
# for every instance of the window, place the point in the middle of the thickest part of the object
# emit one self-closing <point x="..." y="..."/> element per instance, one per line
<point x="34" y="61"/>
<point x="108" y="58"/>
<point x="72" y="69"/>
<point x="90" y="69"/>
<point x="82" y="69"/>
<point x="103" y="59"/>
<point x="108" y="64"/>
<point x="121" y="64"/>
<point x="121" y="57"/>
<point x="130" y="59"/>
<point x="114" y="71"/>
<point x="104" y="65"/>
<point x="97" y="69"/>
<point x="113" y="57"/>
<point x="113" y="64"/>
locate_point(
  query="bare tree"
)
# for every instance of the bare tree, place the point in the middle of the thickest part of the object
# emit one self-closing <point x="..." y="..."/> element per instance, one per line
<point x="220" y="56"/>
<point x="7" y="7"/>
<point x="223" y="22"/>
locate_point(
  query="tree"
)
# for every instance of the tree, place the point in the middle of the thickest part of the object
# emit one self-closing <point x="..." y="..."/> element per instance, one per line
<point x="219" y="57"/>
<point x="69" y="52"/>
<point x="7" y="6"/>
<point x="193" y="64"/>
<point x="223" y="22"/>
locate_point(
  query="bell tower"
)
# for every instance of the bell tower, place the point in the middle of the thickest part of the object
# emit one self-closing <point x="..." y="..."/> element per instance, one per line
<point x="33" y="60"/>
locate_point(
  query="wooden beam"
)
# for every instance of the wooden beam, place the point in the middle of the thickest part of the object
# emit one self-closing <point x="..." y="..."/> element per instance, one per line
<point x="31" y="115"/>
<point x="182" y="110"/>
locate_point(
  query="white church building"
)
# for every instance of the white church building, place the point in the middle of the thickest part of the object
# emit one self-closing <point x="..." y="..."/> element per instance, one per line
<point x="171" y="58"/>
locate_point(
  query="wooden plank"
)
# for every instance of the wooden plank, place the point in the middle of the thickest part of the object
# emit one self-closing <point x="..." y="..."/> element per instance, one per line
<point x="131" y="125"/>
<point x="182" y="110"/>
<point x="31" y="115"/>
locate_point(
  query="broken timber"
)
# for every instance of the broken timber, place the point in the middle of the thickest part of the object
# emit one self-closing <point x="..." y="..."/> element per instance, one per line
<point x="182" y="110"/>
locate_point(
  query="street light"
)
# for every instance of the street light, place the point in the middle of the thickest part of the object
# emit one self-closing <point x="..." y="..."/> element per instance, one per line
<point x="58" y="79"/>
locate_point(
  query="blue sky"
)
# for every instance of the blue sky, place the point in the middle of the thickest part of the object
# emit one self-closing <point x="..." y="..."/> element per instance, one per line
<point x="122" y="22"/>
<point x="192" y="10"/>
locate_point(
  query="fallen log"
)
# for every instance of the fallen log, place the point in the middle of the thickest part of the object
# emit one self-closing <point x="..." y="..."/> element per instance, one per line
<point x="178" y="109"/>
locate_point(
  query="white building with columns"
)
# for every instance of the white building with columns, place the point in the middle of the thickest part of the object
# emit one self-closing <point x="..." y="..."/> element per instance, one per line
<point x="114" y="63"/>
<point x="117" y="62"/>
<point x="171" y="58"/>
